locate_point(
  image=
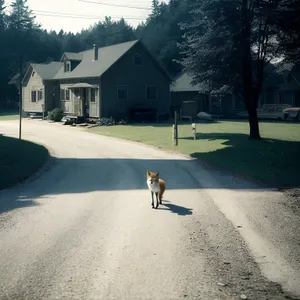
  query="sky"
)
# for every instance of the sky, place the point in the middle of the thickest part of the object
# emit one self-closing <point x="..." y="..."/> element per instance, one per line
<point x="74" y="15"/>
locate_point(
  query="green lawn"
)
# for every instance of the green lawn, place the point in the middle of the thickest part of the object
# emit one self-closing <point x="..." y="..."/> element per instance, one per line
<point x="225" y="145"/>
<point x="8" y="115"/>
<point x="19" y="160"/>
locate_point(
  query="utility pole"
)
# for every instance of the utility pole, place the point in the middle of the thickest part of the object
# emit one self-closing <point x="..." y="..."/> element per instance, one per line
<point x="20" y="95"/>
<point x="175" y="129"/>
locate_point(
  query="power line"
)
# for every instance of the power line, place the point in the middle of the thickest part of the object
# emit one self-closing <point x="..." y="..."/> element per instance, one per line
<point x="50" y="13"/>
<point x="117" y="5"/>
<point x="85" y="16"/>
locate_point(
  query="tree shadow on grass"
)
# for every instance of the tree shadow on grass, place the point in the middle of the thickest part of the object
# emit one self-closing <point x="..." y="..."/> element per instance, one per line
<point x="268" y="160"/>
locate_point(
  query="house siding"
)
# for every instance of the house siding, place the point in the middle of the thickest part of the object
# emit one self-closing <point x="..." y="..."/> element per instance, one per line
<point x="34" y="82"/>
<point x="52" y="99"/>
<point x="137" y="78"/>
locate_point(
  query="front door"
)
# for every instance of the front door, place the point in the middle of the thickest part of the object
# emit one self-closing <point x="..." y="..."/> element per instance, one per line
<point x="93" y="103"/>
<point x="85" y="102"/>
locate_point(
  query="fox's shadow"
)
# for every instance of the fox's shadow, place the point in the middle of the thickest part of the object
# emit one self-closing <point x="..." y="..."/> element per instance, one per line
<point x="176" y="209"/>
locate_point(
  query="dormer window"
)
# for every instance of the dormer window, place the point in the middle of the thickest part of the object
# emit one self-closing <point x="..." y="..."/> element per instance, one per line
<point x="137" y="60"/>
<point x="67" y="66"/>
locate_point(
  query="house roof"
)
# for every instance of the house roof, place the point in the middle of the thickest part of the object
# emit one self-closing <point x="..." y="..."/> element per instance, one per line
<point x="73" y="56"/>
<point x="87" y="67"/>
<point x="14" y="79"/>
<point x="81" y="85"/>
<point x="184" y="84"/>
<point x="47" y="71"/>
<point x="107" y="56"/>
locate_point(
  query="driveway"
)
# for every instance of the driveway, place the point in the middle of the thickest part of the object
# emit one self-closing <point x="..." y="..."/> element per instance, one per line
<point x="84" y="227"/>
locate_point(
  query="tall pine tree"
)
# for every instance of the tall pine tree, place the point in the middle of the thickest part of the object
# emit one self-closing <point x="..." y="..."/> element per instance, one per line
<point x="21" y="17"/>
<point x="2" y="15"/>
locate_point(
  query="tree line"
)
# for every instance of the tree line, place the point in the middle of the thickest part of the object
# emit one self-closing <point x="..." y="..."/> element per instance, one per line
<point x="225" y="44"/>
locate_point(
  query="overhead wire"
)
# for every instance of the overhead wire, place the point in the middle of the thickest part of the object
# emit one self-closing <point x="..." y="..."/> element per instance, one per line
<point x="116" y="5"/>
<point x="88" y="17"/>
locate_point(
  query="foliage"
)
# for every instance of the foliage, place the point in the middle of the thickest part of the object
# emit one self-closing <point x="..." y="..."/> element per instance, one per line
<point x="211" y="47"/>
<point x="55" y="115"/>
<point x="19" y="159"/>
<point x="287" y="22"/>
<point x="230" y="44"/>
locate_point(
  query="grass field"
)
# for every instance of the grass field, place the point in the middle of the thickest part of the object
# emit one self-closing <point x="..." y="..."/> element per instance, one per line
<point x="225" y="145"/>
<point x="19" y="160"/>
<point x="8" y="115"/>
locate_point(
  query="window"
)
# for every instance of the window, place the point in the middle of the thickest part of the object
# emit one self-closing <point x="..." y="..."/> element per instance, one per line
<point x="67" y="66"/>
<point x="122" y="92"/>
<point x="33" y="96"/>
<point x="62" y="95"/>
<point x="93" y="95"/>
<point x="137" y="60"/>
<point x="67" y="95"/>
<point x="40" y="94"/>
<point x="151" y="93"/>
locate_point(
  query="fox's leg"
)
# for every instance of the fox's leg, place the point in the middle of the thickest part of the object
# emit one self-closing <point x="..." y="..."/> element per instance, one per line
<point x="152" y="199"/>
<point x="160" y="197"/>
<point x="157" y="201"/>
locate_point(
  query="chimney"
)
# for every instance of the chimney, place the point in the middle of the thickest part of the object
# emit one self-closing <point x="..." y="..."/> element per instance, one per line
<point x="95" y="52"/>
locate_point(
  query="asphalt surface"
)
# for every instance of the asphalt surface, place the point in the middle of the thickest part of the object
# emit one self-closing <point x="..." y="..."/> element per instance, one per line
<point x="83" y="227"/>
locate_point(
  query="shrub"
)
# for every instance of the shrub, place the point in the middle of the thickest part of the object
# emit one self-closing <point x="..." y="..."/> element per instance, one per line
<point x="55" y="115"/>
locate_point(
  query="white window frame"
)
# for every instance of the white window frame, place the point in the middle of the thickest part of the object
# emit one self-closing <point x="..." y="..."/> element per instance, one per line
<point x="91" y="99"/>
<point x="156" y="92"/>
<point x="67" y="63"/>
<point x="65" y="94"/>
<point x="67" y="90"/>
<point x="122" y="86"/>
<point x="40" y="92"/>
<point x="31" y="94"/>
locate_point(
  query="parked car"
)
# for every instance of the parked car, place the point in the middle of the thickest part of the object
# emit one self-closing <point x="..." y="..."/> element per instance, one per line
<point x="268" y="111"/>
<point x="291" y="113"/>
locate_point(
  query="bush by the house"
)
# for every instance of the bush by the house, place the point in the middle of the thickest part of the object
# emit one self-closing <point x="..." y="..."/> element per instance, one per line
<point x="106" y="121"/>
<point x="55" y="115"/>
<point x="110" y="122"/>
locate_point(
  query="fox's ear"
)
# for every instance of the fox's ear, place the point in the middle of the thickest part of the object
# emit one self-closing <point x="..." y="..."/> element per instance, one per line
<point x="157" y="174"/>
<point x="148" y="173"/>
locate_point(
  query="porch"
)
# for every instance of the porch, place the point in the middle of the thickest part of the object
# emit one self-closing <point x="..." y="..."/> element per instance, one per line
<point x="81" y="99"/>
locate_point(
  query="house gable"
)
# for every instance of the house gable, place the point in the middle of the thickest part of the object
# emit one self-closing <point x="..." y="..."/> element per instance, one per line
<point x="290" y="81"/>
<point x="145" y="84"/>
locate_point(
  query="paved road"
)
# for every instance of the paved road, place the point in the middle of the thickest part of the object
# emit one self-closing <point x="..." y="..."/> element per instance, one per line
<point x="84" y="229"/>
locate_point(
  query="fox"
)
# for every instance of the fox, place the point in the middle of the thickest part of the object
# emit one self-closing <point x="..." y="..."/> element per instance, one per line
<point x="156" y="185"/>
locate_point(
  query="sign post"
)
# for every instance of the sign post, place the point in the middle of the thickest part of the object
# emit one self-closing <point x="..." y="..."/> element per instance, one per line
<point x="175" y="129"/>
<point x="20" y="97"/>
<point x="43" y="110"/>
<point x="194" y="130"/>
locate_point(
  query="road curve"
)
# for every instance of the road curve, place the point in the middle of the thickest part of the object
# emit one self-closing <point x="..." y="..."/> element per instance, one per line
<point x="85" y="229"/>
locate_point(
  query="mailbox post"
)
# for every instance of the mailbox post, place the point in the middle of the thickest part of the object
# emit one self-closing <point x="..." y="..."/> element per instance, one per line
<point x="194" y="130"/>
<point x="175" y="129"/>
<point x="43" y="110"/>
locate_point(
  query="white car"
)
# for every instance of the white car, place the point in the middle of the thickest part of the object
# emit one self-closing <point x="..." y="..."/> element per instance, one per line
<point x="291" y="113"/>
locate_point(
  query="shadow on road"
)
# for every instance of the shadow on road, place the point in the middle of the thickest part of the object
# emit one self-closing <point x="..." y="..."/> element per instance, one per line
<point x="86" y="175"/>
<point x="176" y="209"/>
